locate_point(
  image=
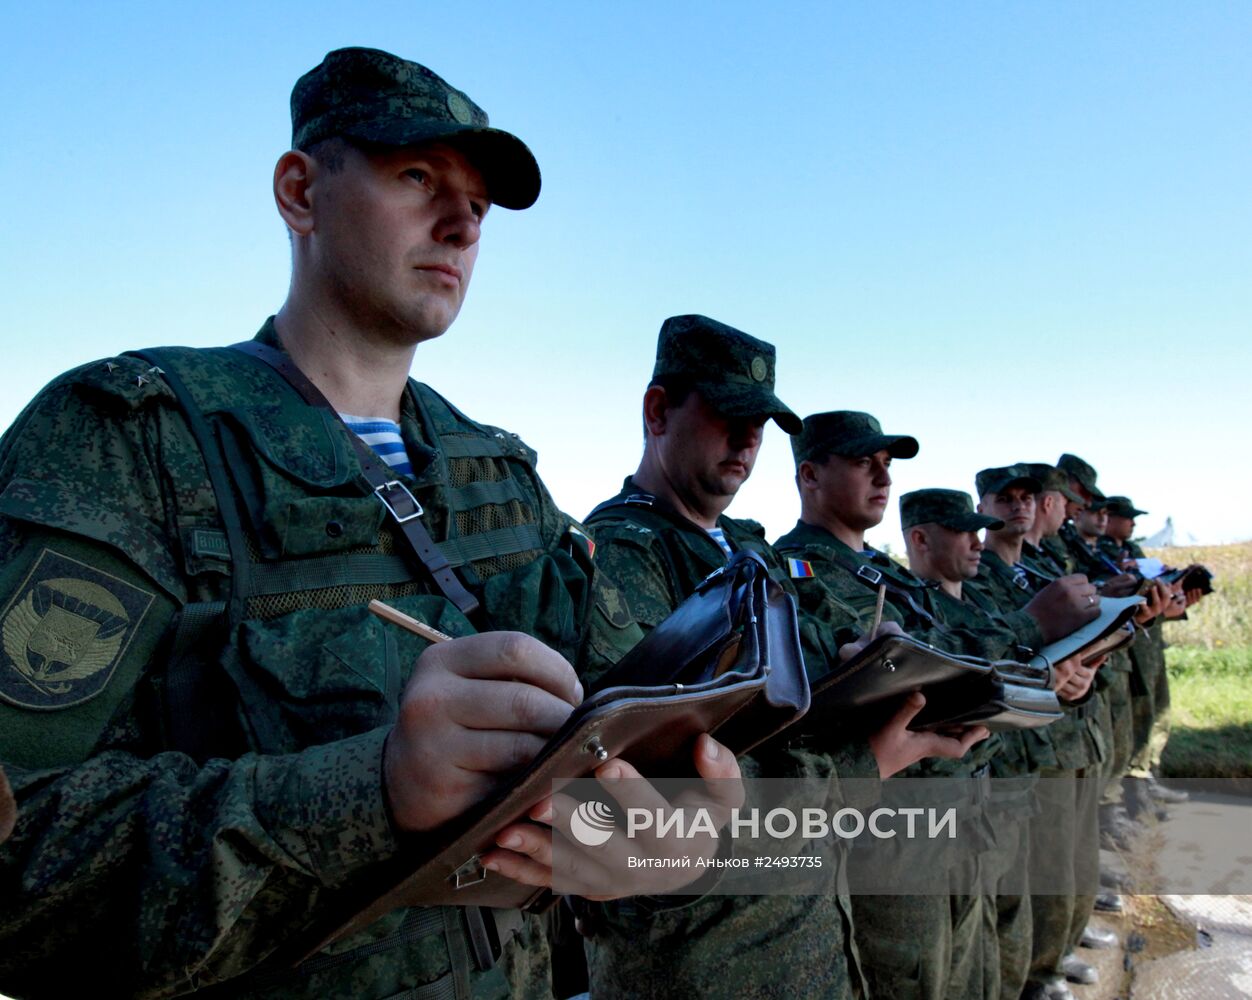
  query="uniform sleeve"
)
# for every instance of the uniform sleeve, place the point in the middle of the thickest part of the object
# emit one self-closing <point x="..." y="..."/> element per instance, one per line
<point x="168" y="874"/>
<point x="630" y="556"/>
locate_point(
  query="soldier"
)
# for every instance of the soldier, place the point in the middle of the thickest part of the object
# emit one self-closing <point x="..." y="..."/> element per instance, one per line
<point x="1082" y="536"/>
<point x="941" y="534"/>
<point x="712" y="392"/>
<point x="212" y="742"/>
<point x="1043" y="553"/>
<point x="1149" y="696"/>
<point x="843" y="462"/>
<point x="1066" y="757"/>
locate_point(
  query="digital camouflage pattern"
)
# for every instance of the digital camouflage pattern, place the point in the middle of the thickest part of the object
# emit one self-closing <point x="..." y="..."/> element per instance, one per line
<point x="1051" y="479"/>
<point x="1071" y="748"/>
<point x="849" y="433"/>
<point x="175" y="876"/>
<point x="926" y="946"/>
<point x="834" y="586"/>
<point x="1122" y="507"/>
<point x="718" y="946"/>
<point x="1083" y="472"/>
<point x="733" y="371"/>
<point x="375" y="97"/>
<point x="1149" y="678"/>
<point x="948" y="508"/>
<point x="999" y="479"/>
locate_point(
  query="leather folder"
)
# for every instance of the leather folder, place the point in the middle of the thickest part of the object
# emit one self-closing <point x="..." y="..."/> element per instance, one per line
<point x="726" y="662"/>
<point x="960" y="690"/>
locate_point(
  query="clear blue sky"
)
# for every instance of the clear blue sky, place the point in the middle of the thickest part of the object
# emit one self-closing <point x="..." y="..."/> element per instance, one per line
<point x="1011" y="230"/>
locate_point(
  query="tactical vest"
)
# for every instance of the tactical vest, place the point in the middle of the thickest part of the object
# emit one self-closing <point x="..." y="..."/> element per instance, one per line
<point x="282" y="544"/>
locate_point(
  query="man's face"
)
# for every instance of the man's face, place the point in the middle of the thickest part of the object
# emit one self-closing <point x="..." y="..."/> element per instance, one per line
<point x="708" y="456"/>
<point x="1092" y="523"/>
<point x="853" y="491"/>
<point x="1015" y="506"/>
<point x="395" y="237"/>
<point x="1050" y="512"/>
<point x="954" y="555"/>
<point x="1074" y="507"/>
<point x="1120" y="529"/>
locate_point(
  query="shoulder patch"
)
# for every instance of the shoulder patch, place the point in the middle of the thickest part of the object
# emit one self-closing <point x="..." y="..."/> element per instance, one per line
<point x="613" y="605"/>
<point x="800" y="569"/>
<point x="64" y="632"/>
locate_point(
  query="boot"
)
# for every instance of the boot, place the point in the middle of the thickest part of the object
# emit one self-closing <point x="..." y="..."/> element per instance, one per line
<point x="1078" y="971"/>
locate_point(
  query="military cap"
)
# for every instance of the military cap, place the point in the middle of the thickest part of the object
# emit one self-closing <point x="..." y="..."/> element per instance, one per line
<point x="1051" y="478"/>
<point x="375" y="97"/>
<point x="949" y="508"/>
<point x="1000" y="479"/>
<point x="1121" y="507"/>
<point x="731" y="370"/>
<point x="849" y="433"/>
<point x="1076" y="468"/>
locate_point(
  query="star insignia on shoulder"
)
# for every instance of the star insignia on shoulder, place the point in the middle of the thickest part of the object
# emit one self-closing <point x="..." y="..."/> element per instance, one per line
<point x="140" y="381"/>
<point x="154" y="370"/>
<point x="111" y="366"/>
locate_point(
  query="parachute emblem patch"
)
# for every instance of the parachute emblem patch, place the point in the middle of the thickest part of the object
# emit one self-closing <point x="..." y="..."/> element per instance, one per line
<point x="65" y="631"/>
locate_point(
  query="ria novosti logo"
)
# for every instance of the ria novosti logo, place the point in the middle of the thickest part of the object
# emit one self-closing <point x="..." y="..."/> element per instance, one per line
<point x="592" y="823"/>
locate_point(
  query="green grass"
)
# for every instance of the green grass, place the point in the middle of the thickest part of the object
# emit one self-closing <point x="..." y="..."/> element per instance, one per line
<point x="1211" y="695"/>
<point x="1210" y="669"/>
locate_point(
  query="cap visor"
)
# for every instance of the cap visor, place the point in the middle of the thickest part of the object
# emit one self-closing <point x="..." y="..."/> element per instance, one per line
<point x="896" y="445"/>
<point x="733" y="401"/>
<point x="1025" y="482"/>
<point x="973" y="522"/>
<point x="506" y="163"/>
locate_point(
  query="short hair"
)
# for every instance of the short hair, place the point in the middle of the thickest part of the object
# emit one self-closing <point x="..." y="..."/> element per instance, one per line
<point x="677" y="388"/>
<point x="328" y="153"/>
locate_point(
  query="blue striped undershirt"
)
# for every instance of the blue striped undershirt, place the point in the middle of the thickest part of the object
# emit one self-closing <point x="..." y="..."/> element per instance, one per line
<point x="383" y="436"/>
<point x="719" y="535"/>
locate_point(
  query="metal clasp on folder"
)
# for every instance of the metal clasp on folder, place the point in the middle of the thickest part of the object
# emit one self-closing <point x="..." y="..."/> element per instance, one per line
<point x="389" y="488"/>
<point x="470" y="873"/>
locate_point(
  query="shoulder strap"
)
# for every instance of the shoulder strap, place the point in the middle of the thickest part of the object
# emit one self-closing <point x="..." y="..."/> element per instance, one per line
<point x="400" y="504"/>
<point x="877" y="578"/>
<point x="195" y="696"/>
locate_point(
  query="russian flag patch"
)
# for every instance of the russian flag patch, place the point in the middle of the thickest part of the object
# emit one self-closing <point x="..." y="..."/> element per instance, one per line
<point x="800" y="569"/>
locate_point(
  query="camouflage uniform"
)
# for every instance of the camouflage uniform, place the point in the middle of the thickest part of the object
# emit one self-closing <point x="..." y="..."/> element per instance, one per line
<point x="190" y="875"/>
<point x="718" y="946"/>
<point x="931" y="945"/>
<point x="128" y="580"/>
<point x="1149" y="695"/>
<point x="1065" y="755"/>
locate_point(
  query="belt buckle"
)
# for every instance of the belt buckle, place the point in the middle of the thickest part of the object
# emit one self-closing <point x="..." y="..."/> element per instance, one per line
<point x="870" y="574"/>
<point x="395" y="484"/>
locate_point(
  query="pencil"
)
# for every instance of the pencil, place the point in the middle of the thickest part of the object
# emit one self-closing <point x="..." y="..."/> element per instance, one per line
<point x="389" y="614"/>
<point x="882" y="596"/>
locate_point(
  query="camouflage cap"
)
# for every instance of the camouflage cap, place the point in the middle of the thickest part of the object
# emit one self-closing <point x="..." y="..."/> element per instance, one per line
<point x="849" y="433"/>
<point x="375" y="97"/>
<point x="1051" y="479"/>
<point x="1121" y="507"/>
<point x="1076" y="468"/>
<point x="949" y="508"/>
<point x="1000" y="479"/>
<point x="731" y="370"/>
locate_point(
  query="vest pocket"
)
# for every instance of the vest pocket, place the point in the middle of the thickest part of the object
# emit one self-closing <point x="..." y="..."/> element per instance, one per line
<point x="315" y="676"/>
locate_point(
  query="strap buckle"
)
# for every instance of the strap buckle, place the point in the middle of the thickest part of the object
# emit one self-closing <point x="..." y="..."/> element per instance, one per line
<point x="870" y="574"/>
<point x="413" y="508"/>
